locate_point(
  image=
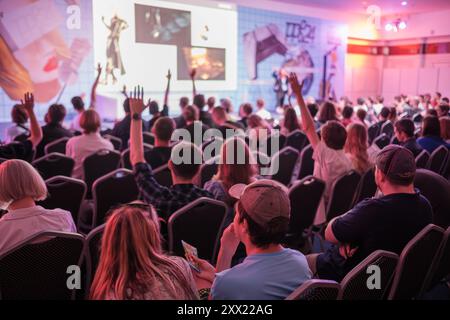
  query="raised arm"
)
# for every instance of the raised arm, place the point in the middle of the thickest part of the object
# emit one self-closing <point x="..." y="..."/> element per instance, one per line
<point x="307" y="119"/>
<point x="103" y="20"/>
<point x="35" y="128"/>
<point x="192" y="74"/>
<point x="124" y="91"/>
<point x="166" y="95"/>
<point x="137" y="106"/>
<point x="94" y="87"/>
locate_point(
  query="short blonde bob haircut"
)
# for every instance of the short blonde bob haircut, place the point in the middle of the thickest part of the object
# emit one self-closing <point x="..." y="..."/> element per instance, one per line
<point x="19" y="180"/>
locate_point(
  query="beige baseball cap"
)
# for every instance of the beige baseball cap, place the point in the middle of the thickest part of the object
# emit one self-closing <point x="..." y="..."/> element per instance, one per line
<point x="263" y="200"/>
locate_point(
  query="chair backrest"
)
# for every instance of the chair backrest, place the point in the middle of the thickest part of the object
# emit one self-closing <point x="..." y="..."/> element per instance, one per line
<point x="316" y="290"/>
<point x="117" y="187"/>
<point x="211" y="147"/>
<point x="306" y="162"/>
<point x="422" y="159"/>
<point x="285" y="161"/>
<point x="149" y="138"/>
<point x="367" y="186"/>
<point x="382" y="140"/>
<point x="372" y="132"/>
<point x="262" y="159"/>
<point x="98" y="164"/>
<point x="57" y="146"/>
<point x="388" y="129"/>
<point x="38" y="270"/>
<point x="125" y="157"/>
<point x="208" y="170"/>
<point x="437" y="190"/>
<point x="343" y="193"/>
<point x="116" y="142"/>
<point x="92" y="248"/>
<point x="438" y="160"/>
<point x="414" y="263"/>
<point x="297" y="140"/>
<point x="163" y="176"/>
<point x="65" y="193"/>
<point x="305" y="196"/>
<point x="354" y="286"/>
<point x="183" y="226"/>
<point x="54" y="164"/>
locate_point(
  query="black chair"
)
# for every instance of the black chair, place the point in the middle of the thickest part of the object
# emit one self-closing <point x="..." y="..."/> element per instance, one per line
<point x="98" y="164"/>
<point x="382" y="141"/>
<point x="306" y="162"/>
<point x="367" y="186"/>
<point x="149" y="138"/>
<point x="125" y="157"/>
<point x="437" y="190"/>
<point x="57" y="146"/>
<point x="438" y="160"/>
<point x="211" y="148"/>
<point x="297" y="140"/>
<point x="414" y="263"/>
<point x="183" y="226"/>
<point x="92" y="247"/>
<point x="208" y="170"/>
<point x="117" y="187"/>
<point x="54" y="164"/>
<point x="38" y="270"/>
<point x="440" y="269"/>
<point x="283" y="164"/>
<point x="163" y="176"/>
<point x="316" y="290"/>
<point x="262" y="159"/>
<point x="116" y="142"/>
<point x="422" y="159"/>
<point x="354" y="285"/>
<point x="372" y="132"/>
<point x="388" y="129"/>
<point x="417" y="118"/>
<point x="342" y="195"/>
<point x="65" y="193"/>
<point x="305" y="196"/>
<point x="272" y="144"/>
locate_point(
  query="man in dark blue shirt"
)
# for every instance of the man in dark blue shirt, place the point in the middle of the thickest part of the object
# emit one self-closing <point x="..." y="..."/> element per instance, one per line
<point x="386" y="223"/>
<point x="404" y="132"/>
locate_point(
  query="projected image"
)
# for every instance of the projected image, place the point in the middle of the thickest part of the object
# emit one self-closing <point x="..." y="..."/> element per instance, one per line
<point x="162" y="26"/>
<point x="208" y="62"/>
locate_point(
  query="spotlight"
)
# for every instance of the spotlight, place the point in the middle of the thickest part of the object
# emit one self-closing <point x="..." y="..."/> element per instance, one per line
<point x="404" y="3"/>
<point x="388" y="26"/>
<point x="402" y="25"/>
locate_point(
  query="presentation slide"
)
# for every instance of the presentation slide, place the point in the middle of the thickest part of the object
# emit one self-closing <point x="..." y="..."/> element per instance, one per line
<point x="137" y="42"/>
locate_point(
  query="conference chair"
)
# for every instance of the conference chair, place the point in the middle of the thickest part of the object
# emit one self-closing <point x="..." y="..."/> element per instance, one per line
<point x="354" y="286"/>
<point x="422" y="159"/>
<point x="438" y="160"/>
<point x="387" y="128"/>
<point x="297" y="140"/>
<point x="57" y="146"/>
<point x="183" y="225"/>
<point x="382" y="141"/>
<point x="367" y="186"/>
<point x="306" y="162"/>
<point x="163" y="176"/>
<point x="125" y="157"/>
<point x="414" y="263"/>
<point x="117" y="187"/>
<point x="116" y="142"/>
<point x="98" y="164"/>
<point x="316" y="290"/>
<point x="208" y="170"/>
<point x="149" y="138"/>
<point x="372" y="132"/>
<point x="283" y="164"/>
<point x="343" y="193"/>
<point x="65" y="193"/>
<point x="54" y="164"/>
<point x="92" y="247"/>
<point x="37" y="268"/>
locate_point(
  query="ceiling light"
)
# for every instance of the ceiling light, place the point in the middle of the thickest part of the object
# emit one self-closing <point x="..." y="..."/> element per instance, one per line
<point x="404" y="3"/>
<point x="388" y="26"/>
<point x="402" y="25"/>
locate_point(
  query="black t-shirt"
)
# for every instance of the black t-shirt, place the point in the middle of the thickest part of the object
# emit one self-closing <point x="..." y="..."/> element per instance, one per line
<point x="17" y="150"/>
<point x="51" y="132"/>
<point x="158" y="156"/>
<point x="386" y="223"/>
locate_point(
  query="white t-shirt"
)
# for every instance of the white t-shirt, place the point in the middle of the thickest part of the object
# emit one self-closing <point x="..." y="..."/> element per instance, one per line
<point x="264" y="114"/>
<point x="14" y="131"/>
<point x="75" y="123"/>
<point x="329" y="164"/>
<point x="82" y="146"/>
<point x="18" y="225"/>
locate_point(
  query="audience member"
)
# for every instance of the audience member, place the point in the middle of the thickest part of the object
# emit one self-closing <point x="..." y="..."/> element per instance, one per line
<point x="290" y="122"/>
<point x="19" y="127"/>
<point x="347" y="114"/>
<point x="121" y="129"/>
<point x="89" y="142"/>
<point x="211" y="102"/>
<point x="327" y="113"/>
<point x="132" y="265"/>
<point x="222" y="123"/>
<point x="385" y="223"/>
<point x="245" y="110"/>
<point x="356" y="147"/>
<point x="262" y="111"/>
<point x="204" y="116"/>
<point x="404" y="132"/>
<point x="431" y="134"/>
<point x="179" y="121"/>
<point x="445" y="128"/>
<point x="160" y="154"/>
<point x="194" y="127"/>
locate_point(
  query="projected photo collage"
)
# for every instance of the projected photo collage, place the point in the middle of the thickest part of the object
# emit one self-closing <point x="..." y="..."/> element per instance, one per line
<point x="164" y="26"/>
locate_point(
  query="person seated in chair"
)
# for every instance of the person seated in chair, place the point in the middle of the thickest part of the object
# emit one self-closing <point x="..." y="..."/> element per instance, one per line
<point x="385" y="223"/>
<point x="184" y="164"/>
<point x="162" y="131"/>
<point x="431" y="135"/>
<point x="404" y="132"/>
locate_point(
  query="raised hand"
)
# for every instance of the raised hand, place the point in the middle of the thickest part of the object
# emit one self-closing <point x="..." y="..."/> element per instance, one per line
<point x="193" y="73"/>
<point x="137" y="100"/>
<point x="297" y="88"/>
<point x="99" y="69"/>
<point x="29" y="102"/>
<point x="169" y="75"/>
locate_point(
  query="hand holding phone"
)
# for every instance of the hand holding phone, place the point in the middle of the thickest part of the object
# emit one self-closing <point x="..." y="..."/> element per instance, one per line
<point x="189" y="252"/>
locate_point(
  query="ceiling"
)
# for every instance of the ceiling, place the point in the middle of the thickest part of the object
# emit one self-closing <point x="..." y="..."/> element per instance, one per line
<point x="388" y="7"/>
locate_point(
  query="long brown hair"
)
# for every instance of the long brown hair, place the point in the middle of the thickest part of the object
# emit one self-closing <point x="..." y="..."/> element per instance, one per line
<point x="327" y="112"/>
<point x="131" y="259"/>
<point x="234" y="168"/>
<point x="290" y="122"/>
<point x="356" y="146"/>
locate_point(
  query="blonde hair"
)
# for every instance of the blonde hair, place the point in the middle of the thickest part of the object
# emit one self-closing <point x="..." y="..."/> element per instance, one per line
<point x="90" y="121"/>
<point x="356" y="147"/>
<point x="19" y="180"/>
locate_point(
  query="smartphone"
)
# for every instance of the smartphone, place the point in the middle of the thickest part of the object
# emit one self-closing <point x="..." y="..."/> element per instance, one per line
<point x="191" y="250"/>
